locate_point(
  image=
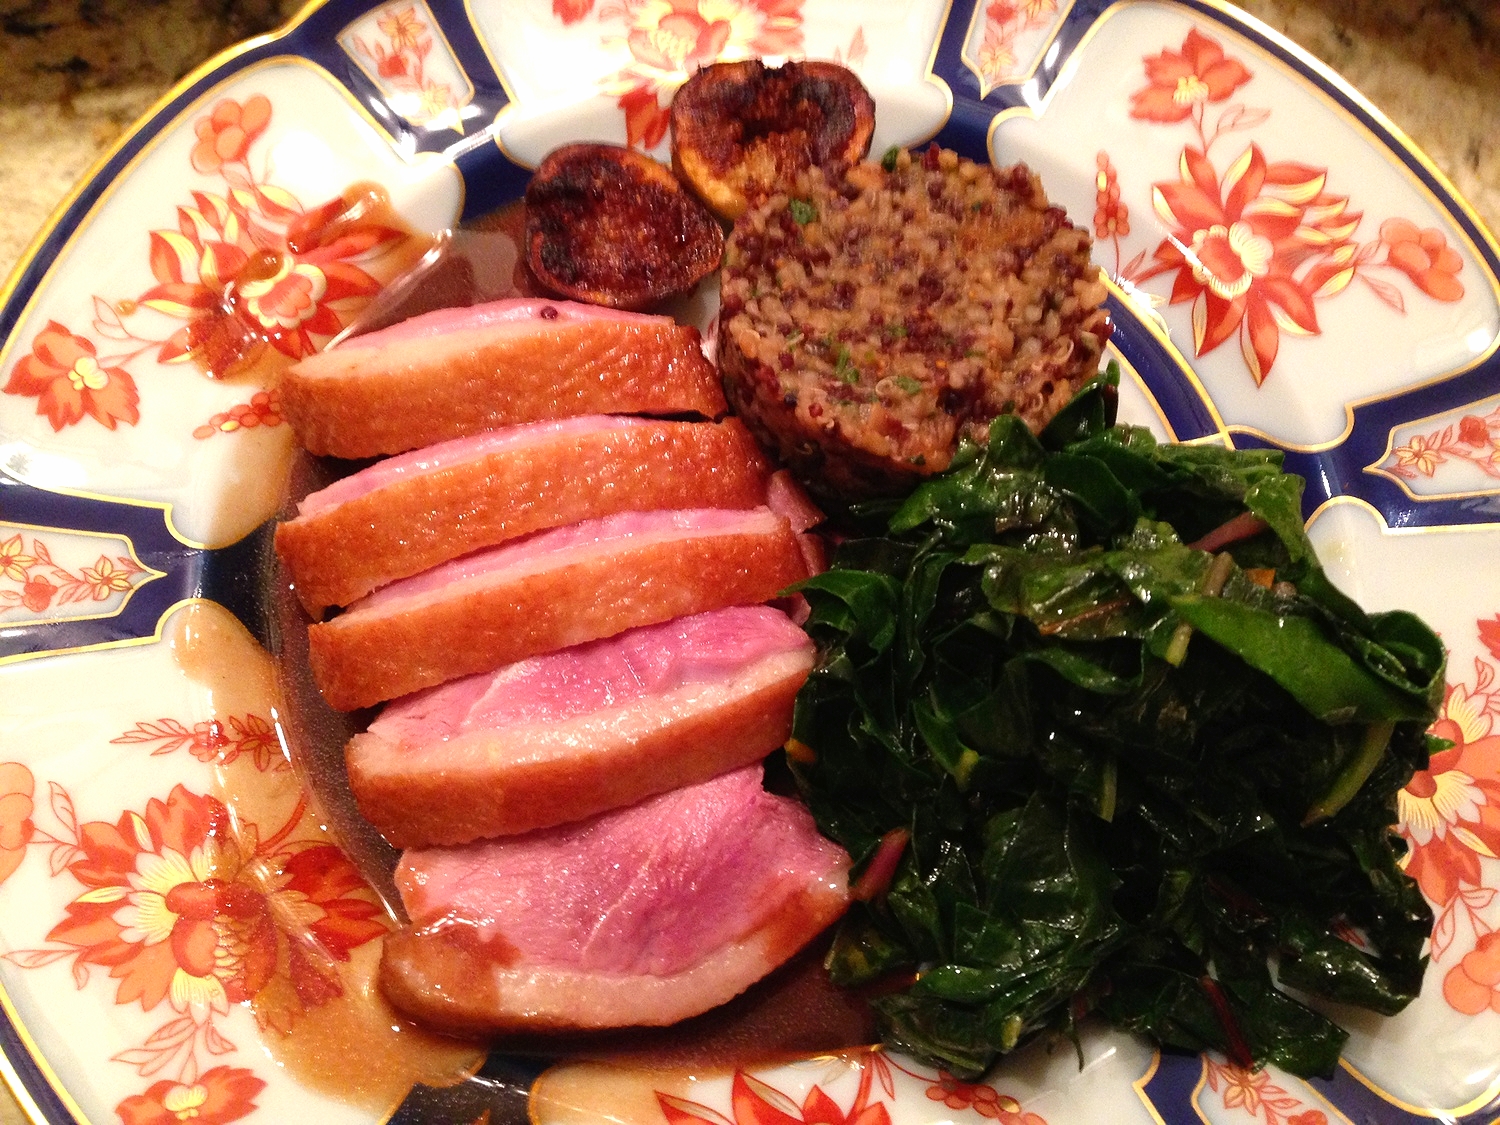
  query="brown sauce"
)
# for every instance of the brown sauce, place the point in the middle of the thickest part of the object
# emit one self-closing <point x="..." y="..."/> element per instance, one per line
<point x="264" y="312"/>
<point x="216" y="653"/>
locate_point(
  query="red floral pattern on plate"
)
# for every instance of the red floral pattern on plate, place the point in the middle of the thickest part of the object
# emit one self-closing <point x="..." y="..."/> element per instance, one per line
<point x="1181" y="83"/>
<point x="220" y="1095"/>
<point x="16" y="827"/>
<point x="30" y="580"/>
<point x="1253" y="248"/>
<point x="184" y="905"/>
<point x="1005" y="21"/>
<point x="69" y="381"/>
<point x="256" y="279"/>
<point x="263" y="409"/>
<point x="398" y="57"/>
<point x="755" y="1101"/>
<point x="1474" y="438"/>
<point x="1252" y="1092"/>
<point x="252" y="736"/>
<point x="1450" y="817"/>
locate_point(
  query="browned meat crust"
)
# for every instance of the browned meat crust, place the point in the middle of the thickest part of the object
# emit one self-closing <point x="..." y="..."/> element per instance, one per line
<point x="362" y="658"/>
<point x="364" y="402"/>
<point x="611" y="226"/>
<point x="342" y="553"/>
<point x="741" y="129"/>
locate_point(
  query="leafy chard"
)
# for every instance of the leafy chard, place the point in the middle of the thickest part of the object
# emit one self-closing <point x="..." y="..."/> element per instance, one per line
<point x="1133" y="774"/>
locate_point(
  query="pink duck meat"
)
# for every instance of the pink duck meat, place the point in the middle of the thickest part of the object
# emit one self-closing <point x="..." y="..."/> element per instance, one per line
<point x="640" y="917"/>
<point x="564" y="736"/>
<point x="548" y="591"/>
<point x="455" y="372"/>
<point x="405" y="514"/>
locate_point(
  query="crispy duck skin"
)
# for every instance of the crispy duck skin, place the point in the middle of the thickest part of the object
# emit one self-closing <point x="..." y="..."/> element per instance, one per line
<point x="554" y="589"/>
<point x="406" y="514"/>
<point x="740" y="129"/>
<point x="565" y="736"/>
<point x="611" y="226"/>
<point x="457" y="372"/>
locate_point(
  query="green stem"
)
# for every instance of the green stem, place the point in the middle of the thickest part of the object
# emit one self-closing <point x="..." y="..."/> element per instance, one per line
<point x="1213" y="586"/>
<point x="1355" y="773"/>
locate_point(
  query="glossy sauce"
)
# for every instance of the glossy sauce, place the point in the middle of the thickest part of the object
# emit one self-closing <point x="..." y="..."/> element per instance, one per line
<point x="264" y="302"/>
<point x="217" y="654"/>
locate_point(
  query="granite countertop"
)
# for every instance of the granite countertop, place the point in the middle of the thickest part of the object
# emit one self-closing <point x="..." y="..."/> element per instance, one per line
<point x="74" y="74"/>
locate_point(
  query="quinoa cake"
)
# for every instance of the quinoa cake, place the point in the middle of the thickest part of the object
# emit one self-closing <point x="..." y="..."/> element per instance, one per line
<point x="870" y="323"/>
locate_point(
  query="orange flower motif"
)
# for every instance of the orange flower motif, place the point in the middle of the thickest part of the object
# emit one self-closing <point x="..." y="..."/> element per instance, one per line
<point x="1473" y="985"/>
<point x="983" y="1100"/>
<point x="1420" y="455"/>
<point x="64" y="375"/>
<point x="104" y="578"/>
<point x="571" y="11"/>
<point x="1182" y="81"/>
<point x="16" y="828"/>
<point x="403" y="28"/>
<point x="36" y="595"/>
<point x="1450" y="812"/>
<point x="225" y="135"/>
<point x="1425" y="257"/>
<point x="14" y="562"/>
<point x="1236" y="244"/>
<point x="220" y="1095"/>
<point x="181" y="908"/>
<point x="241" y="285"/>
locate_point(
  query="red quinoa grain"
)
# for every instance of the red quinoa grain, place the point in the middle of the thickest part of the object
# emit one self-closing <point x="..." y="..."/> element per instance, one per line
<point x="914" y="306"/>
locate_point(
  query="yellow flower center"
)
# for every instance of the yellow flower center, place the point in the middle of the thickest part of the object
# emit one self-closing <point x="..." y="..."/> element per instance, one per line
<point x="1228" y="259"/>
<point x="87" y="373"/>
<point x="1190" y="89"/>
<point x="184" y="1102"/>
<point x="1454" y="798"/>
<point x="673" y="45"/>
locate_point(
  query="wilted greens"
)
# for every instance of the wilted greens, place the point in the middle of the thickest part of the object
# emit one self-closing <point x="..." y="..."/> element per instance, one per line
<point x="1140" y="778"/>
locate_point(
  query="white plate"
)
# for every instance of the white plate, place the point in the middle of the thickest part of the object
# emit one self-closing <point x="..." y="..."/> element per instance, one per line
<point x="1289" y="272"/>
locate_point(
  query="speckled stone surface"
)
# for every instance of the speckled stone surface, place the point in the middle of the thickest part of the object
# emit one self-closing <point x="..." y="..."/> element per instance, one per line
<point x="75" y="73"/>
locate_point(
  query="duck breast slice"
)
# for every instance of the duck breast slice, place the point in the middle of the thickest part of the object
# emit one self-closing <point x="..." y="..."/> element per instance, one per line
<point x="564" y="736"/>
<point x="548" y="591"/>
<point x="455" y="372"/>
<point x="407" y="513"/>
<point x="640" y="917"/>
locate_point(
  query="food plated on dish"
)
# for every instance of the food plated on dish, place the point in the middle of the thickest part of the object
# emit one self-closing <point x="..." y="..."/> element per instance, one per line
<point x="1134" y="387"/>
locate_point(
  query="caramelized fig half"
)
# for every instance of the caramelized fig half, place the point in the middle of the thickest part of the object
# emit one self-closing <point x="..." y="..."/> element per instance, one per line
<point x="613" y="227"/>
<point x="740" y="129"/>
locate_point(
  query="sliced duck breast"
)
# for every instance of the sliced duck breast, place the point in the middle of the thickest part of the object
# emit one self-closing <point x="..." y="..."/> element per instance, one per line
<point x="455" y="372"/>
<point x="548" y="591"/>
<point x="564" y="736"/>
<point x="405" y="514"/>
<point x="640" y="917"/>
